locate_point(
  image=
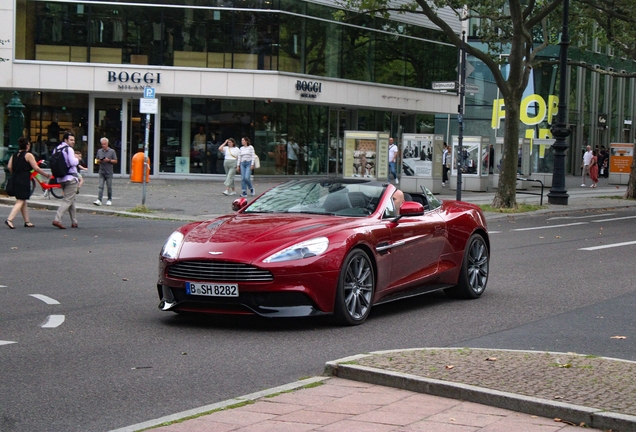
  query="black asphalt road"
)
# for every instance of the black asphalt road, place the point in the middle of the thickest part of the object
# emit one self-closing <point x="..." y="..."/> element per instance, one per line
<point x="117" y="360"/>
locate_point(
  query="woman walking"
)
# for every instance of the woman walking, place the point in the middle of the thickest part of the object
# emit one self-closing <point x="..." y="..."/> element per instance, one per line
<point x="20" y="166"/>
<point x="245" y="165"/>
<point x="594" y="168"/>
<point x="231" y="153"/>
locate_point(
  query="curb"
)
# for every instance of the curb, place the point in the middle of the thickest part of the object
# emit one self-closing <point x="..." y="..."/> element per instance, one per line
<point x="576" y="414"/>
<point x="221" y="405"/>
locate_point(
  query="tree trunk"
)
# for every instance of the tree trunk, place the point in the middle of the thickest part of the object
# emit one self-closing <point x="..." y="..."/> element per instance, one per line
<point x="506" y="196"/>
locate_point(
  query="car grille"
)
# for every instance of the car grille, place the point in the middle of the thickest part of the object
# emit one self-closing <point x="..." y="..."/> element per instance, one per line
<point x="218" y="271"/>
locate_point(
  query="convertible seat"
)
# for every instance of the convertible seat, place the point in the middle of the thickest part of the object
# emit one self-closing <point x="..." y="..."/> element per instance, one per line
<point x="357" y="200"/>
<point x="336" y="202"/>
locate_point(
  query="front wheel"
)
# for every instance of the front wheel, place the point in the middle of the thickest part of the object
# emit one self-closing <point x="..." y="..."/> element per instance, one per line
<point x="32" y="186"/>
<point x="356" y="286"/>
<point x="473" y="276"/>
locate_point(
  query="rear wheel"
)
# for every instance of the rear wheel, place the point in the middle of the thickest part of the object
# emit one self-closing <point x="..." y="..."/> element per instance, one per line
<point x="32" y="186"/>
<point x="356" y="286"/>
<point x="57" y="192"/>
<point x="473" y="276"/>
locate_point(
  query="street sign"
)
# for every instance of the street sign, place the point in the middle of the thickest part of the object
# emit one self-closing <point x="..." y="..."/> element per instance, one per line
<point x="472" y="88"/>
<point x="444" y="85"/>
<point x="148" y="106"/>
<point x="149" y="92"/>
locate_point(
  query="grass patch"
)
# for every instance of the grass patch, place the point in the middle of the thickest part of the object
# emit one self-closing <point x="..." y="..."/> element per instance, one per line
<point x="141" y="209"/>
<point x="308" y="386"/>
<point x="236" y="405"/>
<point x="521" y="208"/>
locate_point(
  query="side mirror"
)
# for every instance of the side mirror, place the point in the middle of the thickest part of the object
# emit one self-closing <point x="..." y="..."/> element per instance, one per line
<point x="239" y="204"/>
<point x="411" y="208"/>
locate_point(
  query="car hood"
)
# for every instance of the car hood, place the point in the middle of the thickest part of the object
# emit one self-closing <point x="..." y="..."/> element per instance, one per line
<point x="250" y="237"/>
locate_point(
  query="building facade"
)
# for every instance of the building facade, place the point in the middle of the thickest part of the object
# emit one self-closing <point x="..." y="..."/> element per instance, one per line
<point x="276" y="71"/>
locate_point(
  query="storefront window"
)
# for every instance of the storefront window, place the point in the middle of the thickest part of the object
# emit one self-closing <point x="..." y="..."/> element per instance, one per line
<point x="47" y="116"/>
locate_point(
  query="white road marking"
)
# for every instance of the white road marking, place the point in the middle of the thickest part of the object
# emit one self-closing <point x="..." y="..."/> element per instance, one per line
<point x="615" y="219"/>
<point x="45" y="299"/>
<point x="494" y="232"/>
<point x="550" y="226"/>
<point x="580" y="217"/>
<point x="607" y="246"/>
<point x="3" y="286"/>
<point x="53" y="321"/>
<point x="6" y="342"/>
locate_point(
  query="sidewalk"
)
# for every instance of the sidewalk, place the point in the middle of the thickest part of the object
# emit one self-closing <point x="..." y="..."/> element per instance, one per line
<point x="201" y="199"/>
<point x="398" y="391"/>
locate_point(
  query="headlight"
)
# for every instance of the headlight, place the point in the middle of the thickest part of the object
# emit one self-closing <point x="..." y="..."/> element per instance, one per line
<point x="173" y="245"/>
<point x="306" y="249"/>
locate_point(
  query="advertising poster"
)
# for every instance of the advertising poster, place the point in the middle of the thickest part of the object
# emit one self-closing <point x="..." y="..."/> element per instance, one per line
<point x="360" y="155"/>
<point x="621" y="156"/>
<point x="422" y="155"/>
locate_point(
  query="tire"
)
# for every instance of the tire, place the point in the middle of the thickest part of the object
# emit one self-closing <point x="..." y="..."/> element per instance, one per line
<point x="356" y="286"/>
<point x="32" y="186"/>
<point x="57" y="193"/>
<point x="473" y="276"/>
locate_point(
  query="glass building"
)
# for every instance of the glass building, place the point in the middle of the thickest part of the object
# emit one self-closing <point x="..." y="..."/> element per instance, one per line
<point x="272" y="70"/>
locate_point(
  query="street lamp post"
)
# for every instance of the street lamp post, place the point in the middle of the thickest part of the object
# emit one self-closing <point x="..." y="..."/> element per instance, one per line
<point x="558" y="194"/>
<point x="460" y="118"/>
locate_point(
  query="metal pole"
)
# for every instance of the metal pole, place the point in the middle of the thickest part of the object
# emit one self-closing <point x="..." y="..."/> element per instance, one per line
<point x="146" y="164"/>
<point x="460" y="117"/>
<point x="558" y="194"/>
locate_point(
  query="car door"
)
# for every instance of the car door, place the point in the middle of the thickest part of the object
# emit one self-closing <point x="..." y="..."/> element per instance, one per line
<point x="417" y="242"/>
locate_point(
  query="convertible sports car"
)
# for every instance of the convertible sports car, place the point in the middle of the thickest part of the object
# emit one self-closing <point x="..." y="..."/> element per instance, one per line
<point x="325" y="246"/>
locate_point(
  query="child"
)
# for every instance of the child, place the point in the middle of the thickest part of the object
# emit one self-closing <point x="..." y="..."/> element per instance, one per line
<point x="80" y="167"/>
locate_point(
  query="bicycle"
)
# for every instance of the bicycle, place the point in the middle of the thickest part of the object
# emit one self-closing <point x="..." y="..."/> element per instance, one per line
<point x="54" y="189"/>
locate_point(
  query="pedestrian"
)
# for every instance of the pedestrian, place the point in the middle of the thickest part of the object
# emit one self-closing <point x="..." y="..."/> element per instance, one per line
<point x="231" y="154"/>
<point x="603" y="163"/>
<point x="68" y="182"/>
<point x="445" y="165"/>
<point x="20" y="166"/>
<point x="245" y="165"/>
<point x="393" y="153"/>
<point x="293" y="152"/>
<point x="106" y="158"/>
<point x="587" y="158"/>
<point x="594" y="168"/>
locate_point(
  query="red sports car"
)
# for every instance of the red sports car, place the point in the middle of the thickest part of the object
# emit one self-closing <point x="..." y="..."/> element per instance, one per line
<point x="325" y="247"/>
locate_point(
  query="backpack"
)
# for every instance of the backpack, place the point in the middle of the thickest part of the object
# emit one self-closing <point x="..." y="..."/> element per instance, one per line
<point x="58" y="163"/>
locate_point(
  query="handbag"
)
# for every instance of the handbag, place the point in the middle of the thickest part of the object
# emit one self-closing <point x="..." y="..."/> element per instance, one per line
<point x="9" y="188"/>
<point x="257" y="162"/>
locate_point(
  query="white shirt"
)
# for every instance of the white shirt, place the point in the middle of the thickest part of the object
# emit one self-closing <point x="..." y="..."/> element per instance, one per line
<point x="246" y="153"/>
<point x="587" y="157"/>
<point x="292" y="150"/>
<point x="393" y="153"/>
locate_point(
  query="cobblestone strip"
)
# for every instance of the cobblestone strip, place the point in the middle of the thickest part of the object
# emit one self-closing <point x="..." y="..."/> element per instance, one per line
<point x="595" y="382"/>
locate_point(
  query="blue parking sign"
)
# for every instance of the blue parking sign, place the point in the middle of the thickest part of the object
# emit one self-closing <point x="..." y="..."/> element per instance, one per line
<point x="149" y="92"/>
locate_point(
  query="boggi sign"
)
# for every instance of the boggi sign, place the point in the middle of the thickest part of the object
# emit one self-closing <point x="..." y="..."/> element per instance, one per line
<point x="308" y="89"/>
<point x="134" y="80"/>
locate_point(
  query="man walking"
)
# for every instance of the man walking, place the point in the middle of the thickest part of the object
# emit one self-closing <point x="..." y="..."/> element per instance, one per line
<point x="445" y="165"/>
<point x="587" y="159"/>
<point x="68" y="182"/>
<point x="393" y="154"/>
<point x="106" y="158"/>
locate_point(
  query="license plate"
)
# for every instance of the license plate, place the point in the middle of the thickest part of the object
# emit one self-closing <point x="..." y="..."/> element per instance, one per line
<point x="212" y="289"/>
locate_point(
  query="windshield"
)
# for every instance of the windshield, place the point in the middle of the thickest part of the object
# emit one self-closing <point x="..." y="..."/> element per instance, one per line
<point x="333" y="197"/>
